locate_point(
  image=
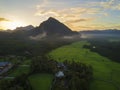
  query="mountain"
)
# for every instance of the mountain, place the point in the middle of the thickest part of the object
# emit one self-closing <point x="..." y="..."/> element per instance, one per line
<point x="49" y="29"/>
<point x="109" y="31"/>
<point x="53" y="27"/>
<point x="29" y="27"/>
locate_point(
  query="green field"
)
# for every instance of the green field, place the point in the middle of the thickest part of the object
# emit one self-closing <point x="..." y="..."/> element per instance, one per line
<point x="22" y="68"/>
<point x="106" y="72"/>
<point x="41" y="81"/>
<point x="18" y="71"/>
<point x="26" y="62"/>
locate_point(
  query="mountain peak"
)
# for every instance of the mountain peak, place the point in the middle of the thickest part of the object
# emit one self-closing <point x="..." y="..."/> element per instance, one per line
<point x="54" y="27"/>
<point x="51" y="19"/>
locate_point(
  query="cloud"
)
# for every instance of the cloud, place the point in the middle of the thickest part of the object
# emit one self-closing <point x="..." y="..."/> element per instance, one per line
<point x="80" y="20"/>
<point x="111" y="4"/>
<point x="77" y="17"/>
<point x="115" y="27"/>
<point x="3" y="19"/>
<point x="69" y="11"/>
<point x="105" y="4"/>
<point x="68" y="16"/>
<point x="39" y="37"/>
<point x="59" y="9"/>
<point x="43" y="4"/>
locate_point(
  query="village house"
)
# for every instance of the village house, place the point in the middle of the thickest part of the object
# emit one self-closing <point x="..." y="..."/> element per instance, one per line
<point x="59" y="74"/>
<point x="61" y="67"/>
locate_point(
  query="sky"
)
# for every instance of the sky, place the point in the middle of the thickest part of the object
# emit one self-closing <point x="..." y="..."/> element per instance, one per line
<point x="76" y="14"/>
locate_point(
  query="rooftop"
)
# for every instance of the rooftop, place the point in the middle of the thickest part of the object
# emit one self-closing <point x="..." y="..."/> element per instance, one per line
<point x="4" y="63"/>
<point x="59" y="74"/>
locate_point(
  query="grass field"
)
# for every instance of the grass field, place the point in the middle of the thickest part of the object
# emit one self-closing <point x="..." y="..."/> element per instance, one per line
<point x="18" y="71"/>
<point x="106" y="72"/>
<point x="41" y="81"/>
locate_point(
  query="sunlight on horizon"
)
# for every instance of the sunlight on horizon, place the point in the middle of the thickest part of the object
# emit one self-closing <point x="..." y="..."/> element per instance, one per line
<point x="13" y="24"/>
<point x="76" y="14"/>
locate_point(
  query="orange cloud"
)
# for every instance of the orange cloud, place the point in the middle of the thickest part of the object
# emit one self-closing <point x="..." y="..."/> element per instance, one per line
<point x="70" y="11"/>
<point x="69" y="16"/>
<point x="3" y="19"/>
<point x="74" y="17"/>
<point x="80" y="20"/>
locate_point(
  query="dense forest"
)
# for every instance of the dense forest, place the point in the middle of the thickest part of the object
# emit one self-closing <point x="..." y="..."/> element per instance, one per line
<point x="105" y="48"/>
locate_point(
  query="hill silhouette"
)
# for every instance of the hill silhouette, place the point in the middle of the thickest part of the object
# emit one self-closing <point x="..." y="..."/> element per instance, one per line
<point x="53" y="27"/>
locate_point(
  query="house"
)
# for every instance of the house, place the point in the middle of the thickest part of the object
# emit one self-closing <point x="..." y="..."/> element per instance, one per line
<point x="59" y="74"/>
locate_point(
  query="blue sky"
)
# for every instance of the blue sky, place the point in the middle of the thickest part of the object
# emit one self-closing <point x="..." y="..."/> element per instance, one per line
<point x="76" y="14"/>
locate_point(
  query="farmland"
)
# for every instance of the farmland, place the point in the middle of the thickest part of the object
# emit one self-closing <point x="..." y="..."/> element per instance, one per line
<point x="106" y="72"/>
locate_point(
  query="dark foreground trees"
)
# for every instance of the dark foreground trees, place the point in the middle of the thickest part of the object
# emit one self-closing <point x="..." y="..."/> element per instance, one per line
<point x="19" y="83"/>
<point x="41" y="64"/>
<point x="77" y="77"/>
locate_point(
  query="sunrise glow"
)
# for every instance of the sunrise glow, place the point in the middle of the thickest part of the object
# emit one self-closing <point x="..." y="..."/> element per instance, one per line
<point x="76" y="14"/>
<point x="12" y="25"/>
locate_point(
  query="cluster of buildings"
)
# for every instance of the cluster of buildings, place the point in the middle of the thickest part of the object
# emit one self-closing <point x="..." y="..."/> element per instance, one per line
<point x="4" y="67"/>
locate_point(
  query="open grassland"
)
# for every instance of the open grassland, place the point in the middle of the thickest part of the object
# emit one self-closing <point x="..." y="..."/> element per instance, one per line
<point x="106" y="72"/>
<point x="41" y="81"/>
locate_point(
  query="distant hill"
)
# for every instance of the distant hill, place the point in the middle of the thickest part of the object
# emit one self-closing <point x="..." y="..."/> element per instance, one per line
<point x="49" y="29"/>
<point x="101" y="33"/>
<point x="29" y="27"/>
<point x="110" y="31"/>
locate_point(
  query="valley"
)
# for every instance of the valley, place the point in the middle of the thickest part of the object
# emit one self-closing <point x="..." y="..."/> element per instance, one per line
<point x="106" y="72"/>
<point x="53" y="57"/>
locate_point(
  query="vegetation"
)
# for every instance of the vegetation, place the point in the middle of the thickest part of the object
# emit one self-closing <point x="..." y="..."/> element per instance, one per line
<point x="41" y="81"/>
<point x="28" y="57"/>
<point x="86" y="69"/>
<point x="18" y="83"/>
<point x="104" y="70"/>
<point x="43" y="65"/>
<point x="19" y="71"/>
<point x="72" y="67"/>
<point x="77" y="76"/>
<point x="107" y="48"/>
